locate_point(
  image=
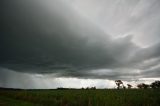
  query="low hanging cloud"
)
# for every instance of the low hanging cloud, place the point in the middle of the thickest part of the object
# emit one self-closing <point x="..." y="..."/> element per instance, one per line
<point x="51" y="37"/>
<point x="13" y="79"/>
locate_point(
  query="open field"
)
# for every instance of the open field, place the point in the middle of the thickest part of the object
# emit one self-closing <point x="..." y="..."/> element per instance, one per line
<point x="105" y="97"/>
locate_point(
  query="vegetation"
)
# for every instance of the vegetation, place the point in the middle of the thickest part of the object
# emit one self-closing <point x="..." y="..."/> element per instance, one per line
<point x="155" y="84"/>
<point x="80" y="97"/>
<point x="119" y="84"/>
<point x="146" y="95"/>
<point x="143" y="86"/>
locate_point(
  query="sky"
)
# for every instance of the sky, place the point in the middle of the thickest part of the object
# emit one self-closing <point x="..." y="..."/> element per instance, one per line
<point x="78" y="43"/>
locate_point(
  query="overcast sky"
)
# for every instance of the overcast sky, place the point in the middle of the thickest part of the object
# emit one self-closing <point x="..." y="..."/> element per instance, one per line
<point x="79" y="43"/>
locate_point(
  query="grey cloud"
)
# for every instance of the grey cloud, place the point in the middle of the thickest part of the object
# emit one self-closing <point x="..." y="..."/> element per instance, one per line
<point x="61" y="43"/>
<point x="38" y="38"/>
<point x="137" y="17"/>
<point x="146" y="57"/>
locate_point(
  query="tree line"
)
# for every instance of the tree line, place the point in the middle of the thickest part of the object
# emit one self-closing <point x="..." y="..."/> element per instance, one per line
<point x="120" y="85"/>
<point x="154" y="85"/>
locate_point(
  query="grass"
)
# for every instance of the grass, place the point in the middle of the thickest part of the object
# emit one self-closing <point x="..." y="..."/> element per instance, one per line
<point x="110" y="97"/>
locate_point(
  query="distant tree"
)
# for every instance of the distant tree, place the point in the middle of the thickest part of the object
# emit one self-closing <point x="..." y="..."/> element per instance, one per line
<point x="82" y="88"/>
<point x="124" y="87"/>
<point x="129" y="86"/>
<point x="155" y="84"/>
<point x="94" y="88"/>
<point x="143" y="86"/>
<point x="140" y="86"/>
<point x="119" y="83"/>
<point x="87" y="88"/>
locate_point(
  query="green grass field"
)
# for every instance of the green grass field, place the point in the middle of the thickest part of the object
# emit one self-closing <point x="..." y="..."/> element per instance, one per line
<point x="110" y="97"/>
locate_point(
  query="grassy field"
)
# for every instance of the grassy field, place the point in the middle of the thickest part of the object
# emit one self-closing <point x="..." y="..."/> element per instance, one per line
<point x="110" y="97"/>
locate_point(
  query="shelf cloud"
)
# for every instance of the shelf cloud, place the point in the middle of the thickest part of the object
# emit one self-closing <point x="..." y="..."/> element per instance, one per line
<point x="60" y="38"/>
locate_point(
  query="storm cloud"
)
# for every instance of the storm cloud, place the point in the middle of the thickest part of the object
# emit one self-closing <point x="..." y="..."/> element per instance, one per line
<point x="59" y="37"/>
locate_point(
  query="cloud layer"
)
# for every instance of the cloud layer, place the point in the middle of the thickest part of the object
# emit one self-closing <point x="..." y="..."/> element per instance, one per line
<point x="55" y="36"/>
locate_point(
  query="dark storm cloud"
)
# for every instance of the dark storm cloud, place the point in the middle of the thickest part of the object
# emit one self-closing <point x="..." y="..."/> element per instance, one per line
<point x="38" y="38"/>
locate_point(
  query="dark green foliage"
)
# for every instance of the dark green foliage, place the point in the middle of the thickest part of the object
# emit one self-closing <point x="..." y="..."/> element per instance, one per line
<point x="143" y="86"/>
<point x="155" y="84"/>
<point x="110" y="97"/>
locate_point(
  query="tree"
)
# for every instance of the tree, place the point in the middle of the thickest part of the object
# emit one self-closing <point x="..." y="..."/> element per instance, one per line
<point x="129" y="86"/>
<point x="155" y="84"/>
<point x="93" y="88"/>
<point x="124" y="87"/>
<point x="118" y="83"/>
<point x="143" y="86"/>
